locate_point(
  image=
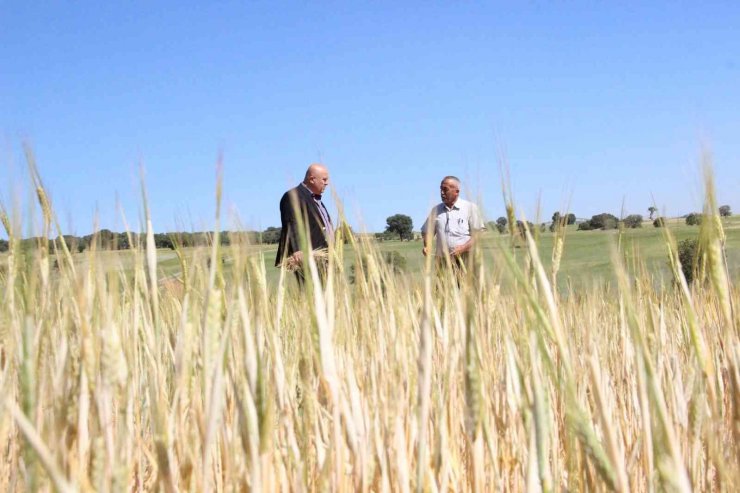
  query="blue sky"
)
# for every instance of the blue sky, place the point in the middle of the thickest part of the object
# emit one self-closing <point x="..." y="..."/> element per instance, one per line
<point x="591" y="104"/>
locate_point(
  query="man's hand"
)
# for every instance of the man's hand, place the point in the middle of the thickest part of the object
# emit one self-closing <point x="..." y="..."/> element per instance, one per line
<point x="424" y="251"/>
<point x="298" y="257"/>
<point x="460" y="249"/>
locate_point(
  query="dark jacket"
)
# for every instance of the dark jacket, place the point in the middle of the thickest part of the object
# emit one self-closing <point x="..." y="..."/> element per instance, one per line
<point x="299" y="199"/>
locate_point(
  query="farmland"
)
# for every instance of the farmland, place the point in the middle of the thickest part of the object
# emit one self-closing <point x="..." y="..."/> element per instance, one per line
<point x="206" y="369"/>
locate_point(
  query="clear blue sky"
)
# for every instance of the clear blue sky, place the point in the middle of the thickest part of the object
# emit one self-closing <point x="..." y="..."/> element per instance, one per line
<point x="589" y="102"/>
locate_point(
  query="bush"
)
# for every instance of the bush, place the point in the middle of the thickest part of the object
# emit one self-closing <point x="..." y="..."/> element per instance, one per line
<point x="385" y="236"/>
<point x="520" y="227"/>
<point x="604" y="221"/>
<point x="393" y="259"/>
<point x="558" y="219"/>
<point x="600" y="221"/>
<point x="694" y="219"/>
<point x="271" y="235"/>
<point x="659" y="222"/>
<point x="687" y="251"/>
<point x="725" y="211"/>
<point x="501" y="223"/>
<point x="633" y="221"/>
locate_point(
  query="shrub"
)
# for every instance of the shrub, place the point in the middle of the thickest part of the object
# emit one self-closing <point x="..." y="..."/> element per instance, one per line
<point x="271" y="235"/>
<point x="604" y="221"/>
<point x="585" y="226"/>
<point x="520" y="227"/>
<point x="687" y="251"/>
<point x="659" y="222"/>
<point x="384" y="236"/>
<point x="501" y="223"/>
<point x="694" y="219"/>
<point x="393" y="259"/>
<point x="633" y="221"/>
<point x="557" y="220"/>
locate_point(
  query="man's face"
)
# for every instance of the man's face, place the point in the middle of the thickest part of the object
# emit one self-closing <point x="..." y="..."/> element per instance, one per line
<point x="318" y="181"/>
<point x="449" y="192"/>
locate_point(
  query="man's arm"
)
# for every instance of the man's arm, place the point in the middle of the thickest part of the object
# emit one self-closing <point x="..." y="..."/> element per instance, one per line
<point x="288" y="205"/>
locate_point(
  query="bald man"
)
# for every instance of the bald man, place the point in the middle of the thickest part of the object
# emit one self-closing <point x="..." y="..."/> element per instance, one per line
<point x="304" y="203"/>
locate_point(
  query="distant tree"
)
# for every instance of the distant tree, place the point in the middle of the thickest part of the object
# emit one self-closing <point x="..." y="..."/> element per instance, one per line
<point x="107" y="238"/>
<point x="604" y="221"/>
<point x="400" y="224"/>
<point x="659" y="222"/>
<point x="633" y="221"/>
<point x="652" y="210"/>
<point x="501" y="224"/>
<point x="725" y="211"/>
<point x="384" y="236"/>
<point x="694" y="219"/>
<point x="4" y="245"/>
<point x="123" y="243"/>
<point x="558" y="219"/>
<point x="520" y="227"/>
<point x="271" y="235"/>
<point x="585" y="226"/>
<point x="162" y="240"/>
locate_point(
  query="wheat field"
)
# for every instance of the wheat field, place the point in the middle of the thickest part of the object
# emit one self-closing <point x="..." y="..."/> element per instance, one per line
<point x="118" y="380"/>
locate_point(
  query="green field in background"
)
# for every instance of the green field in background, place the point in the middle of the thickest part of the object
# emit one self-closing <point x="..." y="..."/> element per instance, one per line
<point x="586" y="258"/>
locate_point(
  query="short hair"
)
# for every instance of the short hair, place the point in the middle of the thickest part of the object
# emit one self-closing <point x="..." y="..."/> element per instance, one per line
<point x="451" y="178"/>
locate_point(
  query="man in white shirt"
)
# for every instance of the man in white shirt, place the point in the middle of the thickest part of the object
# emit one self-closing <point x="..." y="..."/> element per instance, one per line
<point x="455" y="223"/>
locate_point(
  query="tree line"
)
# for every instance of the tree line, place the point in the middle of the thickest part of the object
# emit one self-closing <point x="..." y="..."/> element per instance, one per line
<point x="110" y="240"/>
<point x="400" y="226"/>
<point x="397" y="226"/>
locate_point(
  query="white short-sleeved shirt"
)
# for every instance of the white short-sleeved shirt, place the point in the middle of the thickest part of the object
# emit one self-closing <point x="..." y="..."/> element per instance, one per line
<point x="453" y="226"/>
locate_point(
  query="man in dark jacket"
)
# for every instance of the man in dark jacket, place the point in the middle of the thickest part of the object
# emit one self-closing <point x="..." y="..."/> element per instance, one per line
<point x="303" y="203"/>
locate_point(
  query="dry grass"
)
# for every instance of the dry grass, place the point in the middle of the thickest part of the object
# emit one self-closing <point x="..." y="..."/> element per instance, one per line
<point x="215" y="383"/>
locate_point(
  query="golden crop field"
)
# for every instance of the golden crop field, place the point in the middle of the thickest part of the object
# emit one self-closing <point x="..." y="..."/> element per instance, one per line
<point x="117" y="380"/>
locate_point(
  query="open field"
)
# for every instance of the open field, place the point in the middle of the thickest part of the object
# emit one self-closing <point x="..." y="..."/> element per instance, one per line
<point x="586" y="258"/>
<point x="585" y="261"/>
<point x="208" y="370"/>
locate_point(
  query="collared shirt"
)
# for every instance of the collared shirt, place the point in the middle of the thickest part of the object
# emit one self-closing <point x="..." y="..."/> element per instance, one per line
<point x="453" y="226"/>
<point x="328" y="227"/>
